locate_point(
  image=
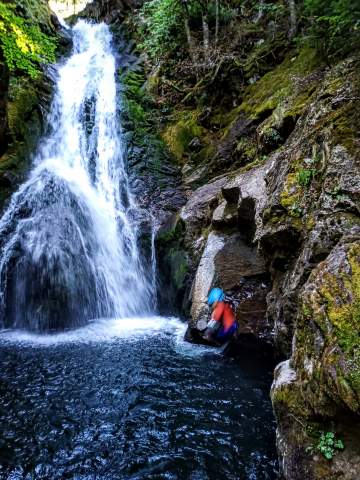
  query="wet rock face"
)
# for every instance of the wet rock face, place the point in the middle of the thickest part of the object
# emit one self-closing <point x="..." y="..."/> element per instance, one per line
<point x="319" y="386"/>
<point x="109" y="10"/>
<point x="204" y="279"/>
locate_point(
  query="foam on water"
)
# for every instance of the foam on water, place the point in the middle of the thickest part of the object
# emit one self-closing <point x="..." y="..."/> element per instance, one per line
<point x="114" y="330"/>
<point x="101" y="330"/>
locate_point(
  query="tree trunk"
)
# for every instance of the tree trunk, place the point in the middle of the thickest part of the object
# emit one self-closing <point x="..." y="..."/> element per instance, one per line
<point x="217" y="9"/>
<point x="292" y="10"/>
<point x="190" y="41"/>
<point x="206" y="35"/>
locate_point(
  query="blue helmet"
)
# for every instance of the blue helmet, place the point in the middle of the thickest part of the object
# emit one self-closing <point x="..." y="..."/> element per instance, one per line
<point x="216" y="295"/>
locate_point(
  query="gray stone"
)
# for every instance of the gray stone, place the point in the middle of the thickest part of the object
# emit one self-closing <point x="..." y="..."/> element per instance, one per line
<point x="225" y="262"/>
<point x="204" y="277"/>
<point x="224" y="215"/>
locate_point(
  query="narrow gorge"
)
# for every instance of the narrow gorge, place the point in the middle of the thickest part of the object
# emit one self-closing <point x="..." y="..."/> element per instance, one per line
<point x="150" y="151"/>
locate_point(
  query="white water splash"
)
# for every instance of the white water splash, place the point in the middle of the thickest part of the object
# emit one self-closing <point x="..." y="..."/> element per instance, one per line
<point x="100" y="331"/>
<point x="69" y="244"/>
<point x="114" y="330"/>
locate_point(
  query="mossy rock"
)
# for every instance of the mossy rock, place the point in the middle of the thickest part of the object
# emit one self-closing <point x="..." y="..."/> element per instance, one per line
<point x="179" y="134"/>
<point x="178" y="262"/>
<point x="331" y="304"/>
<point x="173" y="262"/>
<point x="38" y="12"/>
<point x="275" y="86"/>
<point x="171" y="233"/>
<point x="23" y="103"/>
<point x="285" y="393"/>
<point x="291" y="192"/>
<point x="342" y="298"/>
<point x="25" y="126"/>
<point x="246" y="148"/>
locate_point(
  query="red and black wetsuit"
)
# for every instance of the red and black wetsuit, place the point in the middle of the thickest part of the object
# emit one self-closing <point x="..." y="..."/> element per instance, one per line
<point x="225" y="314"/>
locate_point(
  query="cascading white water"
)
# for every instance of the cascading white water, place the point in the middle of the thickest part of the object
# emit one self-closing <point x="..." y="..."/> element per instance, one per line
<point x="69" y="245"/>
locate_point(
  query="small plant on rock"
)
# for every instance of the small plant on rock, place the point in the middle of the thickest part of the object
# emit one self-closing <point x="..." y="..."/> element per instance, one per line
<point x="337" y="193"/>
<point x="327" y="445"/>
<point x="296" y="210"/>
<point x="305" y="176"/>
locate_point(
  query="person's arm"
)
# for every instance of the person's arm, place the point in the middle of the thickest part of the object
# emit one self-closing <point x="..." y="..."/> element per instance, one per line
<point x="218" y="312"/>
<point x="213" y="323"/>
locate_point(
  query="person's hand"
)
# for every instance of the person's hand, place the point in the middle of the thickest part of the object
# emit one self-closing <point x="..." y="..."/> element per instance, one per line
<point x="207" y="335"/>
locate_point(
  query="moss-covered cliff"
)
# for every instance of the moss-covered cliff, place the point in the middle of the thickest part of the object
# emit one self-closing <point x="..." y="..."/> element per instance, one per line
<point x="29" y="41"/>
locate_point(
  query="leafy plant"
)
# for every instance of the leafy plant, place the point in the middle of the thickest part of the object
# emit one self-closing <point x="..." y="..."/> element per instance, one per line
<point x="327" y="445"/>
<point x="332" y="23"/>
<point x="24" y="45"/>
<point x="336" y="192"/>
<point x="160" y="27"/>
<point x="137" y="101"/>
<point x="305" y="176"/>
<point x="296" y="210"/>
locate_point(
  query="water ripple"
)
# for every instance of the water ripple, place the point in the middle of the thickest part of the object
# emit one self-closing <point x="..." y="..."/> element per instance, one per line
<point x="112" y="402"/>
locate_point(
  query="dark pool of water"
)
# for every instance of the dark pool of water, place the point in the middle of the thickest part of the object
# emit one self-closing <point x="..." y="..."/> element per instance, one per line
<point x="145" y="406"/>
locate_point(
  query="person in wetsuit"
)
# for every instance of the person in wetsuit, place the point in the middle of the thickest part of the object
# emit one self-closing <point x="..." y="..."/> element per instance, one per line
<point x="222" y="325"/>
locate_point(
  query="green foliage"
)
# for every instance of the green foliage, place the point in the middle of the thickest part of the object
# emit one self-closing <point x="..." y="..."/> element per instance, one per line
<point x="336" y="192"/>
<point x="160" y="27"/>
<point x="196" y="8"/>
<point x="24" y="45"/>
<point x="226" y="13"/>
<point x="332" y="26"/>
<point x="333" y="22"/>
<point x="305" y="176"/>
<point x="327" y="445"/>
<point x="161" y="23"/>
<point x="133" y="82"/>
<point x="271" y="9"/>
<point x="295" y="210"/>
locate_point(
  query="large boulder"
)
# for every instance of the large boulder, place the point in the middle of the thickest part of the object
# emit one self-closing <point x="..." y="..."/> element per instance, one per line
<point x="229" y="262"/>
<point x="318" y="390"/>
<point x="204" y="278"/>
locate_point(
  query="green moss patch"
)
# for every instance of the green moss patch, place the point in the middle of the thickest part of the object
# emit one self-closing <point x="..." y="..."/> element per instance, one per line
<point x="343" y="303"/>
<point x="275" y="86"/>
<point x="23" y="99"/>
<point x="179" y="134"/>
<point x="334" y="305"/>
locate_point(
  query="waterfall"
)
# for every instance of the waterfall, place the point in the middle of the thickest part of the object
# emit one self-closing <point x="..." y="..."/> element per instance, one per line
<point x="69" y="241"/>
